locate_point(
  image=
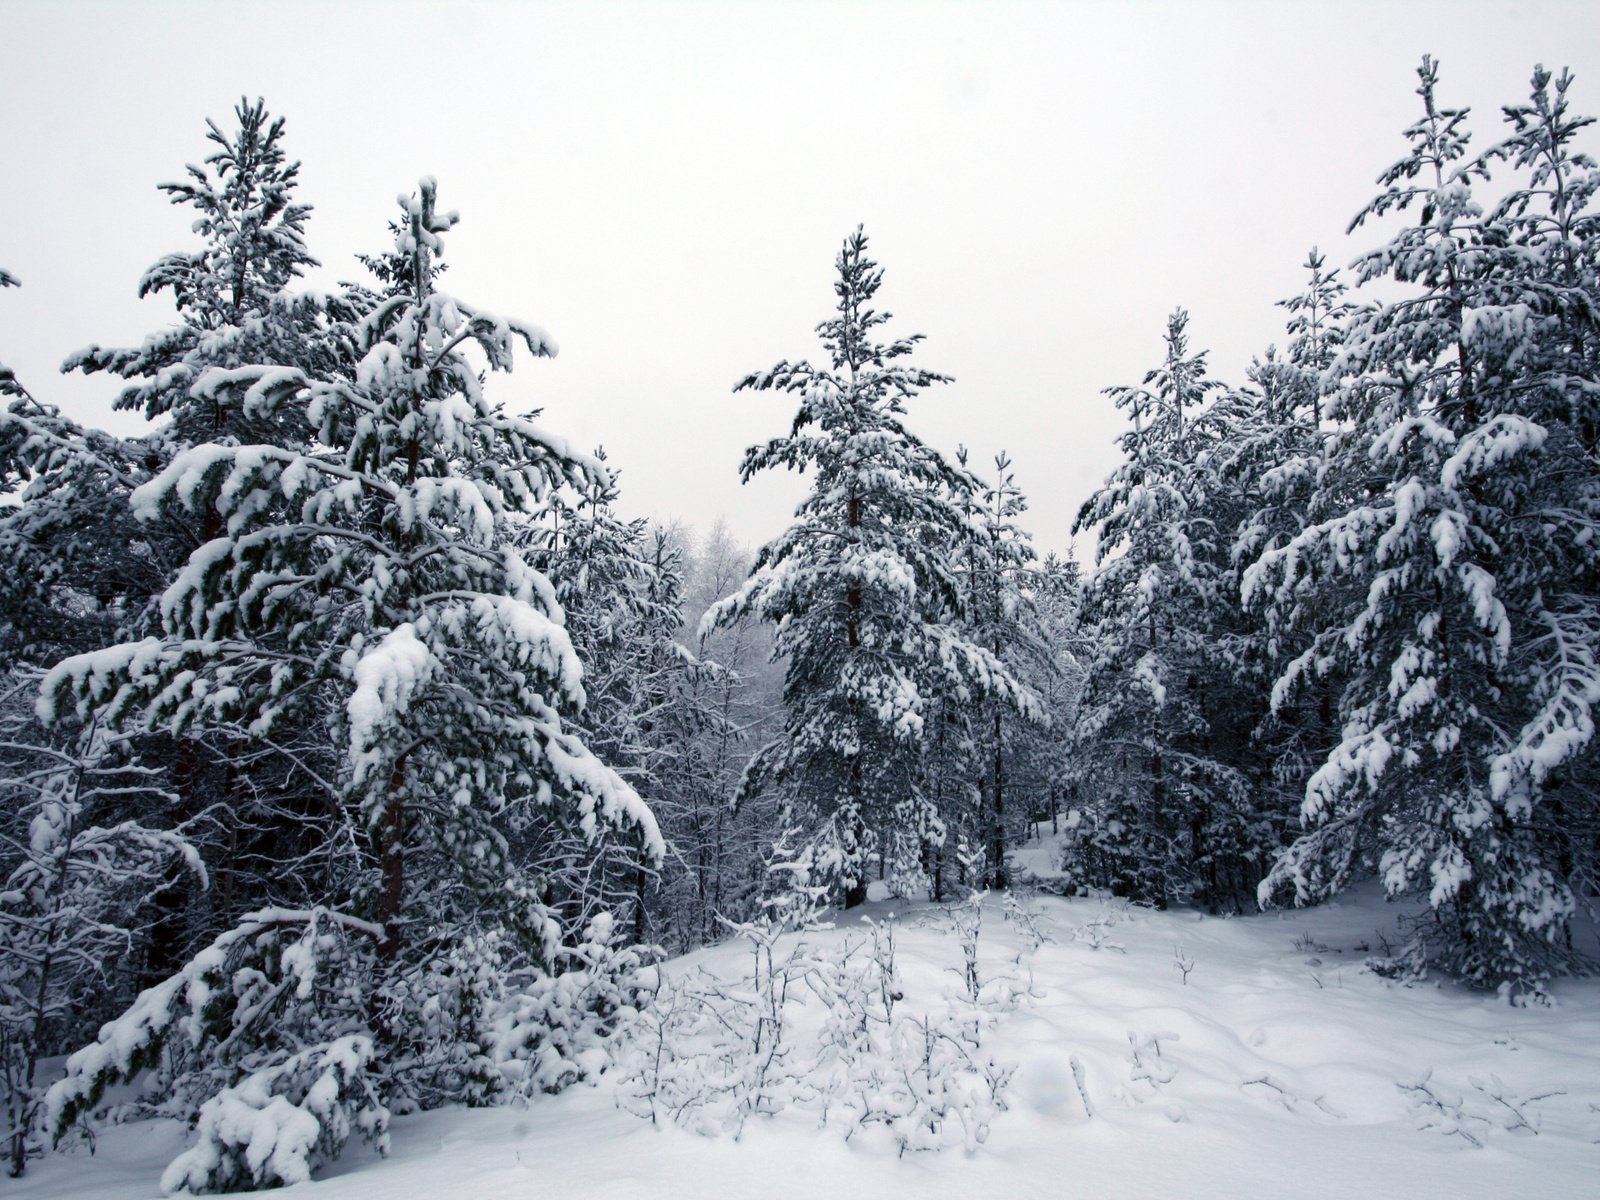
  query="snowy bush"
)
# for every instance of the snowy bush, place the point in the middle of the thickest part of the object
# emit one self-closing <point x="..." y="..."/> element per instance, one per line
<point x="1442" y="1110"/>
<point x="941" y="1085"/>
<point x="553" y="1029"/>
<point x="713" y="1053"/>
<point x="277" y="1124"/>
<point x="1026" y="920"/>
<point x="281" y="979"/>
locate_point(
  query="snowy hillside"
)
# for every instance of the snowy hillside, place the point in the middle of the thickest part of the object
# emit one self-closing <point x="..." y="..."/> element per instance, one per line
<point x="1275" y="1065"/>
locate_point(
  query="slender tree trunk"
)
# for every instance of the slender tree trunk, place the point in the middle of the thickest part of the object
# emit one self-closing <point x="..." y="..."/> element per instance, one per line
<point x="641" y="881"/>
<point x="997" y="847"/>
<point x="1158" y="788"/>
<point x="393" y="864"/>
<point x="856" y="893"/>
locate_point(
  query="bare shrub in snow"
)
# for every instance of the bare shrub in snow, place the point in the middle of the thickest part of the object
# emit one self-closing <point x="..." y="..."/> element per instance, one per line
<point x="1147" y="1065"/>
<point x="1490" y="1105"/>
<point x="710" y="1053"/>
<point x="1025" y="920"/>
<point x="1183" y="962"/>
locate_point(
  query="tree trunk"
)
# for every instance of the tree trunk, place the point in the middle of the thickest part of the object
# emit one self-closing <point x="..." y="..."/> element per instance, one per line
<point x="997" y="848"/>
<point x="641" y="881"/>
<point x="856" y="893"/>
<point x="393" y="863"/>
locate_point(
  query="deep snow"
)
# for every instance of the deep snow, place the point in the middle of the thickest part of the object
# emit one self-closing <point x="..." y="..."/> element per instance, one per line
<point x="1279" y="998"/>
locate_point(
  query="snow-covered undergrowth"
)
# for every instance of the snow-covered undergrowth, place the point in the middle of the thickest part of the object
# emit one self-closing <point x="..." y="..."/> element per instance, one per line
<point x="1112" y="1051"/>
<point x="819" y="1024"/>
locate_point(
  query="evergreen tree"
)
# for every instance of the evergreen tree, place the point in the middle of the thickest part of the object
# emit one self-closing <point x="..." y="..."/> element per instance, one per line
<point x="1462" y="620"/>
<point x="620" y="585"/>
<point x="998" y="565"/>
<point x="385" y="601"/>
<point x="1317" y="320"/>
<point x="230" y="294"/>
<point x="1058" y="598"/>
<point x="90" y="571"/>
<point x="1547" y="293"/>
<point x="1167" y="822"/>
<point x="69" y="580"/>
<point x="862" y="589"/>
<point x="1276" y="459"/>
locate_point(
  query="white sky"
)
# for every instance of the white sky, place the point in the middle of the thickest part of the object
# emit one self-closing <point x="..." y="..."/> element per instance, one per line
<point x="664" y="186"/>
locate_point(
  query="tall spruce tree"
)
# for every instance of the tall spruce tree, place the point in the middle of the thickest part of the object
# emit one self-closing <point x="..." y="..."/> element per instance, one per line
<point x="1546" y="320"/>
<point x="1267" y="467"/>
<point x="863" y="591"/>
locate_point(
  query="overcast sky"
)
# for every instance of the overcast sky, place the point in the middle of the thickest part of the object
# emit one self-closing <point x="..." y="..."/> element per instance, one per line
<point x="664" y="187"/>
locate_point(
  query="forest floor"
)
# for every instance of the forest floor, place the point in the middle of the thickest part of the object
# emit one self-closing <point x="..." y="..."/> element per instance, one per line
<point x="1274" y="1067"/>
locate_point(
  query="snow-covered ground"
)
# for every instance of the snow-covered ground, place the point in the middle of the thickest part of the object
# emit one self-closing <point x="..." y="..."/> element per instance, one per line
<point x="1272" y="1070"/>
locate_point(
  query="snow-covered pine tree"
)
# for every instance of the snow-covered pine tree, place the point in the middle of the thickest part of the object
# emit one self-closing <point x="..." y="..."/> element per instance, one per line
<point x="1058" y="597"/>
<point x="1317" y="320"/>
<point x="230" y="294"/>
<point x="69" y="578"/>
<point x="1266" y="463"/>
<point x="1163" y="825"/>
<point x="91" y="570"/>
<point x="1261" y="467"/>
<point x="953" y="741"/>
<point x="862" y="589"/>
<point x="387" y="600"/>
<point x="620" y="584"/>
<point x="76" y="579"/>
<point x="669" y="712"/>
<point x="84" y="572"/>
<point x="1546" y="320"/>
<point x="997" y="564"/>
<point x="1463" y="622"/>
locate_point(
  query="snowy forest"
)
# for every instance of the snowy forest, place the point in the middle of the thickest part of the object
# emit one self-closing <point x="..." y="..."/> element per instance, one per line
<point x="359" y="760"/>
